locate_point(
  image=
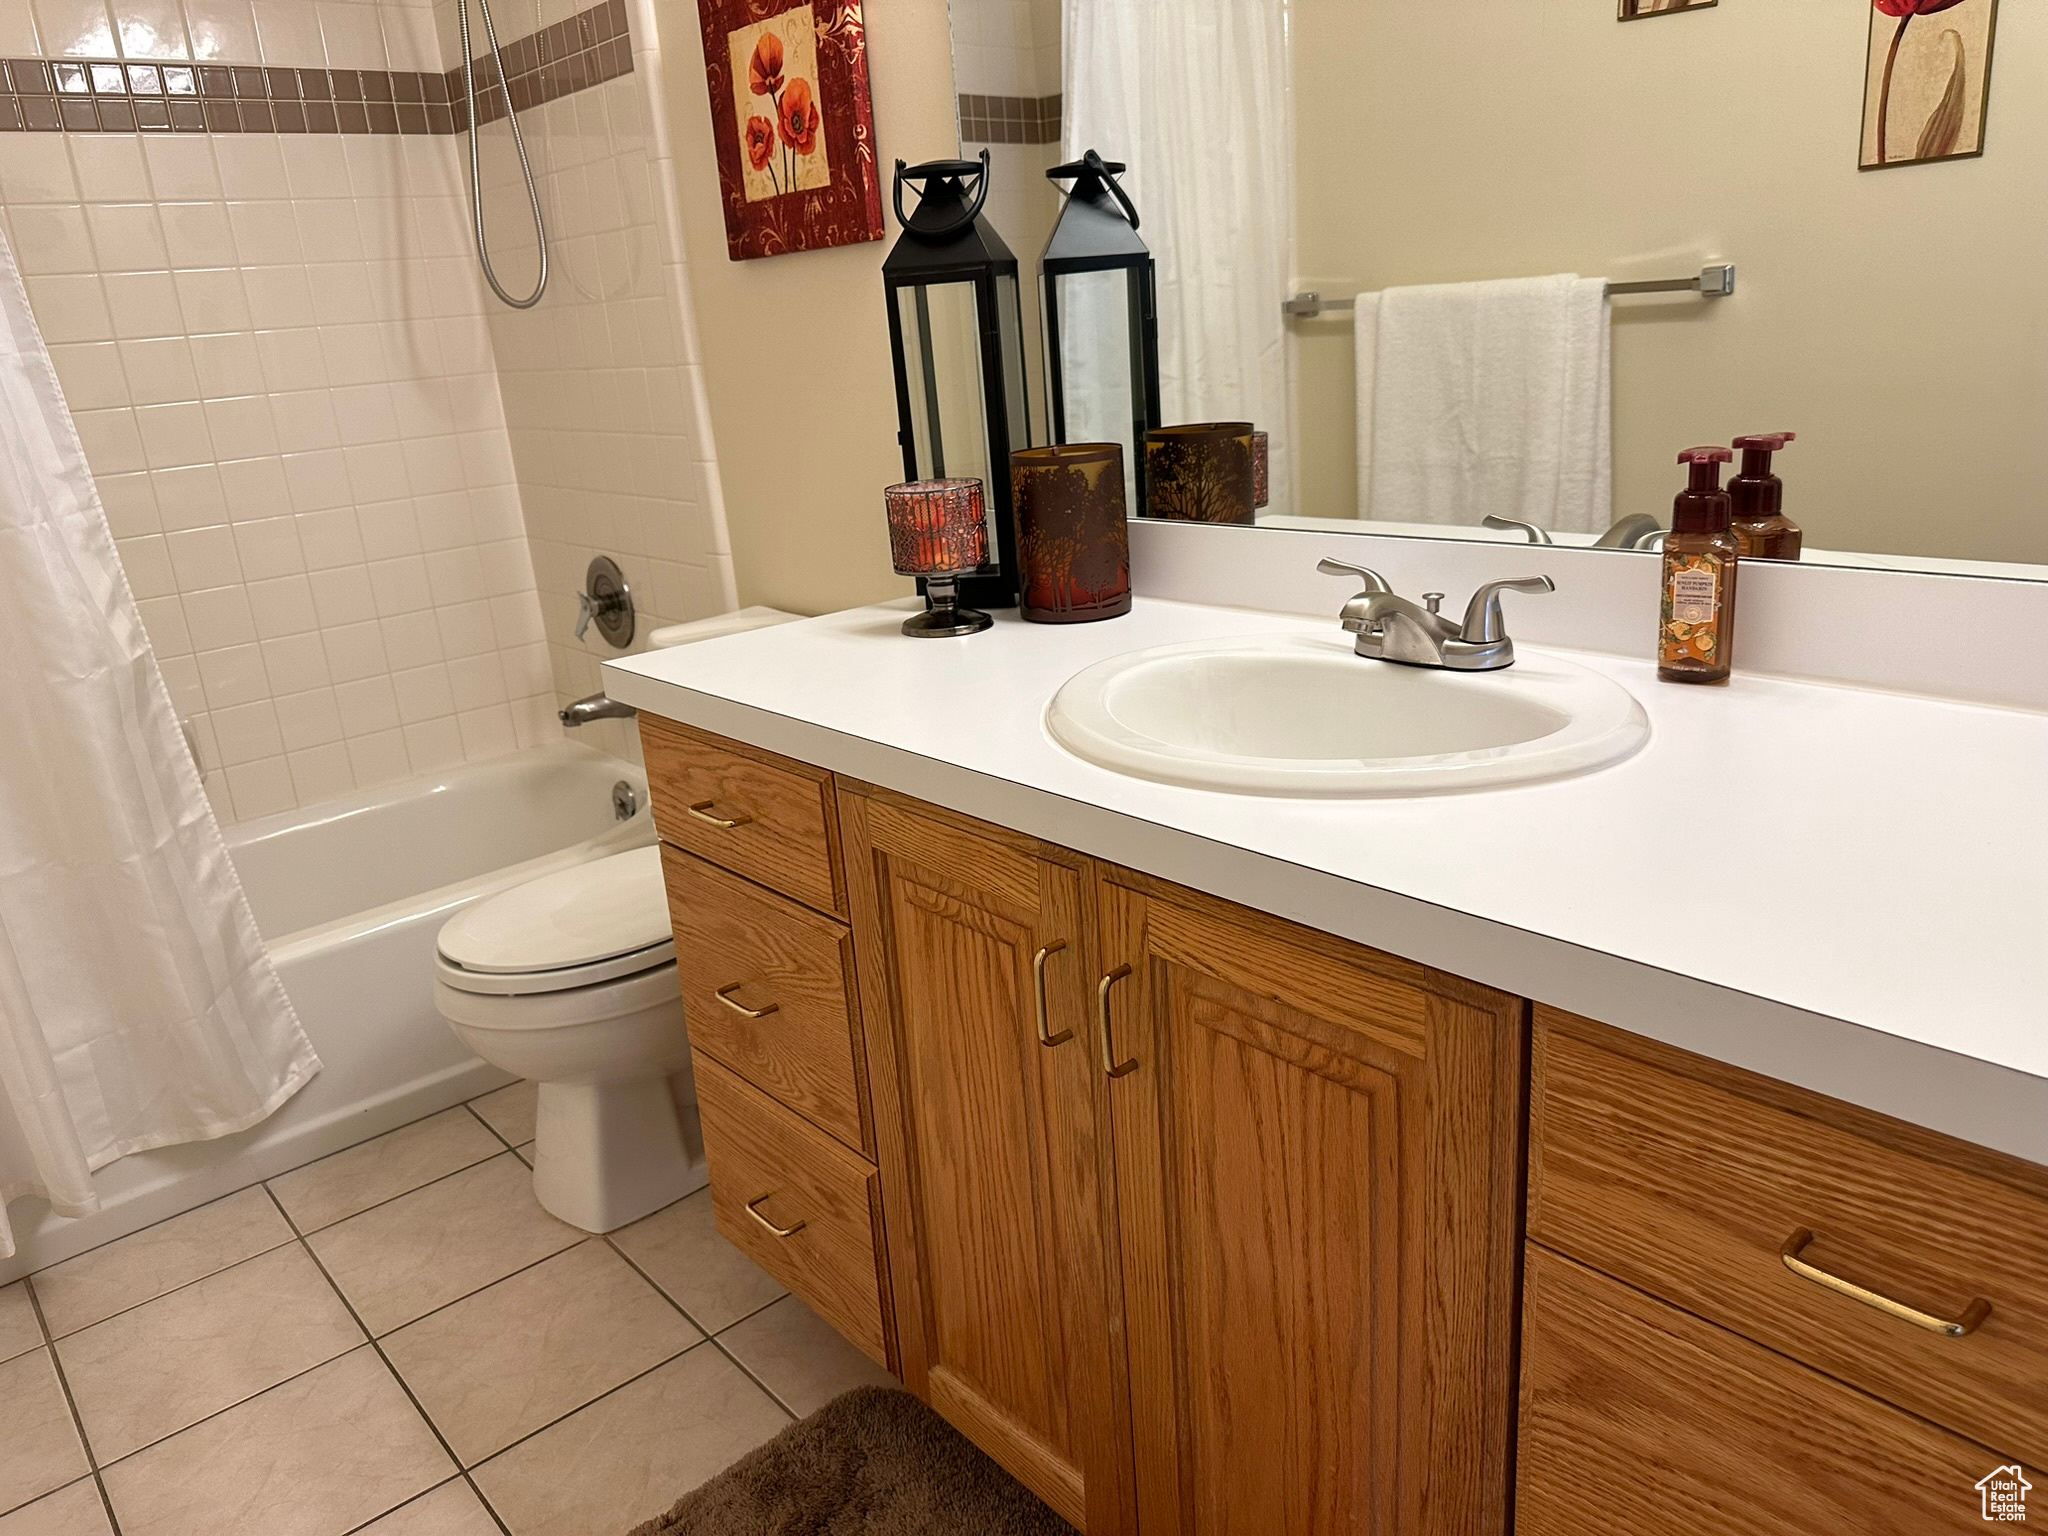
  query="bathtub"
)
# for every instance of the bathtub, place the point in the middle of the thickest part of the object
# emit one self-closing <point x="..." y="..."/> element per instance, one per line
<point x="350" y="896"/>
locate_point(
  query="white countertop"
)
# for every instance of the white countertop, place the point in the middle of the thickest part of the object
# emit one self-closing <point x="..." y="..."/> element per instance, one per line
<point x="1846" y="889"/>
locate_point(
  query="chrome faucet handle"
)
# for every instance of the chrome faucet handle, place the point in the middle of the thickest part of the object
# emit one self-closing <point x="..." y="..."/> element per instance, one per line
<point x="1373" y="581"/>
<point x="1483" y="623"/>
<point x="1629" y="532"/>
<point x="1535" y="534"/>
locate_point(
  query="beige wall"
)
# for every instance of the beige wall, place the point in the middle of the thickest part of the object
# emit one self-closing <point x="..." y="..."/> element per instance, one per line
<point x="1895" y="319"/>
<point x="796" y="348"/>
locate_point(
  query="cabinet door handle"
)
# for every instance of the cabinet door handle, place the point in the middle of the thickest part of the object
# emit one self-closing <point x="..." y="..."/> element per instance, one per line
<point x="702" y="811"/>
<point x="1948" y="1327"/>
<point x="1045" y="1034"/>
<point x="1109" y="1062"/>
<point x="724" y="995"/>
<point x="764" y="1221"/>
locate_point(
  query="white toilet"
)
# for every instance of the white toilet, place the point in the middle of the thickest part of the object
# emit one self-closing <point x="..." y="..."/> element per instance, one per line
<point x="570" y="980"/>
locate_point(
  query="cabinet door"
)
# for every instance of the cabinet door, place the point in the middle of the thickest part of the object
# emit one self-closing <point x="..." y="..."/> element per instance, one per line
<point x="985" y="1134"/>
<point x="1317" y="1152"/>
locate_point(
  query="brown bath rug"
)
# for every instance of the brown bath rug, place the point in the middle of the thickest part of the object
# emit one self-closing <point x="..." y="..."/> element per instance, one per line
<point x="873" y="1462"/>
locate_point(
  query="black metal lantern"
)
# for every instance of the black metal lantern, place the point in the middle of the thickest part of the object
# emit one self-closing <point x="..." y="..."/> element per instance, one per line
<point x="956" y="334"/>
<point x="1101" y="317"/>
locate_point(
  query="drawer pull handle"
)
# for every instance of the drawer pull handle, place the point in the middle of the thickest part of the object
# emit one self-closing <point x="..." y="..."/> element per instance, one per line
<point x="702" y="811"/>
<point x="1109" y="1062"/>
<point x="1045" y="1034"/>
<point x="724" y="995"/>
<point x="778" y="1231"/>
<point x="1949" y="1327"/>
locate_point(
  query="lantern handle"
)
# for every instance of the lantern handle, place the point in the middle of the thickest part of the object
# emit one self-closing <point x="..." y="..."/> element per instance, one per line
<point x="1092" y="164"/>
<point x="942" y="168"/>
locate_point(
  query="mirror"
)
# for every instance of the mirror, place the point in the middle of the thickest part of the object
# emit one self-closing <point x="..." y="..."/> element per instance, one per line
<point x="1878" y="185"/>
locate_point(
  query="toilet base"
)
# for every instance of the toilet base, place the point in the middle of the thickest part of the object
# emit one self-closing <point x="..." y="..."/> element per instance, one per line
<point x="609" y="1153"/>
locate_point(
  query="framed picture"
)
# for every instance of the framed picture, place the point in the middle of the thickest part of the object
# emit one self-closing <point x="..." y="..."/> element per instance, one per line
<point x="1927" y="80"/>
<point x="1636" y="10"/>
<point x="793" y="123"/>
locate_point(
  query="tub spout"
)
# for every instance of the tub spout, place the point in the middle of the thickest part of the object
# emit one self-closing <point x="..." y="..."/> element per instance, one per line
<point x="596" y="707"/>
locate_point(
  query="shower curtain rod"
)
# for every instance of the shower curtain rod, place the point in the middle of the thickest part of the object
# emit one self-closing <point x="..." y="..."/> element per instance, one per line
<point x="1715" y="282"/>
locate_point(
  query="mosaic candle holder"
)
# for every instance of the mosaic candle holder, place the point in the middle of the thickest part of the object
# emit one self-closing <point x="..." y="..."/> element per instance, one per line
<point x="938" y="530"/>
<point x="1073" y="543"/>
<point x="1202" y="472"/>
<point x="1262" y="449"/>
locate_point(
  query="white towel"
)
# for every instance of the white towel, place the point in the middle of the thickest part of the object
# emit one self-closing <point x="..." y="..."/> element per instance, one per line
<point x="1487" y="397"/>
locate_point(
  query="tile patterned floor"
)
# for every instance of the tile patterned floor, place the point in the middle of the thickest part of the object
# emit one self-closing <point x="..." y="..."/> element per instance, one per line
<point x="398" y="1341"/>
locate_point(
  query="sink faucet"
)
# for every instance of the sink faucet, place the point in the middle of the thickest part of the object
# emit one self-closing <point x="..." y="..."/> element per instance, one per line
<point x="1631" y="532"/>
<point x="595" y="707"/>
<point x="1391" y="628"/>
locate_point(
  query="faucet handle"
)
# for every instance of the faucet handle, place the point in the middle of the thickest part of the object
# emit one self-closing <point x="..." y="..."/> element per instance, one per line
<point x="1534" y="534"/>
<point x="1373" y="581"/>
<point x="1483" y="624"/>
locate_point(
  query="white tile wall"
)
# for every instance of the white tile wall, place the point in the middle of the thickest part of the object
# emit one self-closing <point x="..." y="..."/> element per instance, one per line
<point x="1006" y="47"/>
<point x="346" y="34"/>
<point x="603" y="394"/>
<point x="276" y="353"/>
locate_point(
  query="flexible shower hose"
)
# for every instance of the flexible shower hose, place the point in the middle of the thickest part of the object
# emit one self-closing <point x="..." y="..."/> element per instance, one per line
<point x="476" y="181"/>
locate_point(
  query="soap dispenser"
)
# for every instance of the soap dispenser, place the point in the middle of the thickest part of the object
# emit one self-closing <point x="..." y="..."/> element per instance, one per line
<point x="1696" y="639"/>
<point x="1757" y="498"/>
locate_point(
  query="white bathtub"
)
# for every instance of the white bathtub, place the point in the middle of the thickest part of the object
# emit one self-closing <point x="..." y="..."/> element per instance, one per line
<point x="350" y="896"/>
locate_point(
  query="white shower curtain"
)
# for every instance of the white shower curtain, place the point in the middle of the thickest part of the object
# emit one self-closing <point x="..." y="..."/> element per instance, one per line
<point x="1194" y="96"/>
<point x="137" y="1004"/>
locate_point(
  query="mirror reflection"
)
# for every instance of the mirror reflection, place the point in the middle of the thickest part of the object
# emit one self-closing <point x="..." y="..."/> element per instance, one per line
<point x="1486" y="270"/>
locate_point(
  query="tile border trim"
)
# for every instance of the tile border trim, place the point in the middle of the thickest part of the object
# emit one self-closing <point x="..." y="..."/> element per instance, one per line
<point x="1010" y="119"/>
<point x="80" y="95"/>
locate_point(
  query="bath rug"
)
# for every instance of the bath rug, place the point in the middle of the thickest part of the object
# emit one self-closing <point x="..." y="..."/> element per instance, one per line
<point x="872" y="1462"/>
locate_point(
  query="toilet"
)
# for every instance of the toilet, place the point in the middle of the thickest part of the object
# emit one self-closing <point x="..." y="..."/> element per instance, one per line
<point x="570" y="980"/>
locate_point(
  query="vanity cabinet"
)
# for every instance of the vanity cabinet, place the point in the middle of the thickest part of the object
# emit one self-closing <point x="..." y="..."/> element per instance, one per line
<point x="1316" y="1149"/>
<point x="975" y="958"/>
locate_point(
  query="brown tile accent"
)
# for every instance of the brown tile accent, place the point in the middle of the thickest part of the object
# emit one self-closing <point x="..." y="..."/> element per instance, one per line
<point x="1009" y="119"/>
<point x="111" y="96"/>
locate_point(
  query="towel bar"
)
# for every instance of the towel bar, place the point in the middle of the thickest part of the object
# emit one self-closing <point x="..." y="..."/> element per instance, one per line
<point x="1714" y="282"/>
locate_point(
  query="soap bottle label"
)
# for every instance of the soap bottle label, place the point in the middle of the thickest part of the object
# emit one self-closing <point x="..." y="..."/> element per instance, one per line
<point x="1694" y="590"/>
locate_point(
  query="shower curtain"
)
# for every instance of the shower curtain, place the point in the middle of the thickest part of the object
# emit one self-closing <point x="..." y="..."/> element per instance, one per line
<point x="137" y="1004"/>
<point x="1194" y="96"/>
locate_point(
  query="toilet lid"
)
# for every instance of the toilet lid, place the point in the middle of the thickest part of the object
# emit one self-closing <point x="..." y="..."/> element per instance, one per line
<point x="601" y="914"/>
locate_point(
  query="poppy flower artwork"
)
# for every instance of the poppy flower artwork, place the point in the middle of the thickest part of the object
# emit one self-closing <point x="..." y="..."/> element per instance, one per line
<point x="793" y="123"/>
<point x="1927" y="81"/>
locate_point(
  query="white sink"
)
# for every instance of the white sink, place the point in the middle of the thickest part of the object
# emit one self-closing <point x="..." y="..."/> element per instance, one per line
<point x="1301" y="715"/>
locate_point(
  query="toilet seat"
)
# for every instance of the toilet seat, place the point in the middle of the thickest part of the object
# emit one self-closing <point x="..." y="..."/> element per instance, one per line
<point x="585" y="926"/>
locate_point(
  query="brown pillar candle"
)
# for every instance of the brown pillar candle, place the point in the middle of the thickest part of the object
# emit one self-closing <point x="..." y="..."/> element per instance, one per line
<point x="1200" y="473"/>
<point x="1073" y="546"/>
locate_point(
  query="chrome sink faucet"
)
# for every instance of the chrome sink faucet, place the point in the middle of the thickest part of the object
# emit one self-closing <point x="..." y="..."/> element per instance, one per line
<point x="1392" y="628"/>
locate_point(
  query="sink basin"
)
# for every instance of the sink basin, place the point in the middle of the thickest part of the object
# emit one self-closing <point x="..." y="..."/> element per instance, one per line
<point x="1301" y="715"/>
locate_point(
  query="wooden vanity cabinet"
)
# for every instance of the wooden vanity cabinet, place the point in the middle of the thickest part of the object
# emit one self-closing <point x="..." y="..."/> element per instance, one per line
<point x="1317" y="1199"/>
<point x="975" y="958"/>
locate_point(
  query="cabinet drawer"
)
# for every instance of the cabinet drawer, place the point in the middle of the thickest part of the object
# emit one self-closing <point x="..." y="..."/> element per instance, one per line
<point x="1638" y="1417"/>
<point x="750" y="812"/>
<point x="796" y="1202"/>
<point x="766" y="985"/>
<point x="1689" y="1180"/>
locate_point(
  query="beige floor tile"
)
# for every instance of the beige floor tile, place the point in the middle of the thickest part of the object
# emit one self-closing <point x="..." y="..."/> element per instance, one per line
<point x="157" y="1368"/>
<point x="525" y="1152"/>
<point x="681" y="1251"/>
<point x="450" y="1510"/>
<point x="510" y="1111"/>
<point x="800" y="1357"/>
<point x="39" y="1448"/>
<point x="81" y="1291"/>
<point x="19" y="1331"/>
<point x="320" y="1455"/>
<point x="71" y="1511"/>
<point x="437" y="1244"/>
<point x="320" y="1194"/>
<point x="629" y="1456"/>
<point x="512" y="1359"/>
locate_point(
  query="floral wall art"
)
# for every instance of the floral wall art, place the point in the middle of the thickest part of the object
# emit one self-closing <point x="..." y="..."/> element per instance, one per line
<point x="794" y="124"/>
<point x="1927" y="80"/>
